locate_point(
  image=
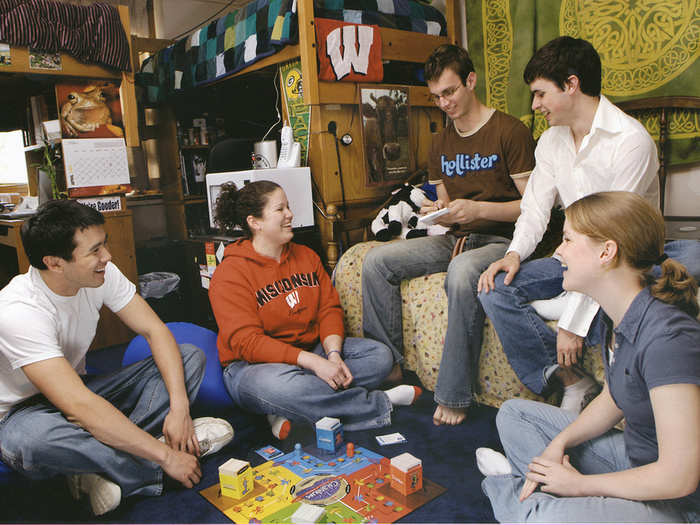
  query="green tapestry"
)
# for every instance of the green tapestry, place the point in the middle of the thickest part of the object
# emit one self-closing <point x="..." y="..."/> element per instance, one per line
<point x="647" y="49"/>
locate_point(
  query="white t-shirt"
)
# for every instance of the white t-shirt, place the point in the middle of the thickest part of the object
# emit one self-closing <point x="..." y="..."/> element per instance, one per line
<point x="36" y="324"/>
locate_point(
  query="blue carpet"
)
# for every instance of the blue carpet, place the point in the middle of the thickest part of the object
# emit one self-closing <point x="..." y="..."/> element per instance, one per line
<point x="447" y="454"/>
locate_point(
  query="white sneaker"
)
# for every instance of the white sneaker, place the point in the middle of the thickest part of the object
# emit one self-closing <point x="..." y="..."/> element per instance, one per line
<point x="105" y="495"/>
<point x="492" y="463"/>
<point x="578" y="395"/>
<point x="212" y="433"/>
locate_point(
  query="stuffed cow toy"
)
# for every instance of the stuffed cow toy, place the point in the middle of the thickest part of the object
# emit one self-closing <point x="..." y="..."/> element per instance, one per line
<point x="400" y="216"/>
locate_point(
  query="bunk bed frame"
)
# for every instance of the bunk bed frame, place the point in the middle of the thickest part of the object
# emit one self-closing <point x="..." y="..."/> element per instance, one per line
<point x="336" y="101"/>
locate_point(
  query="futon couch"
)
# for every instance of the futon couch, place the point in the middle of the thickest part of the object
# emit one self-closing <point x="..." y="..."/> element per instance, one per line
<point x="424" y="304"/>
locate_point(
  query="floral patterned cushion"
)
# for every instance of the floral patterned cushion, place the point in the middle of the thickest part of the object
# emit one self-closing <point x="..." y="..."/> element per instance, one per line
<point x="424" y="307"/>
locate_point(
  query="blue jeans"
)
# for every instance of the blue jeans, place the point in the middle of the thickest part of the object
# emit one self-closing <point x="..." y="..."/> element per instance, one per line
<point x="39" y="442"/>
<point x="526" y="428"/>
<point x="299" y="395"/>
<point x="386" y="266"/>
<point x="529" y="344"/>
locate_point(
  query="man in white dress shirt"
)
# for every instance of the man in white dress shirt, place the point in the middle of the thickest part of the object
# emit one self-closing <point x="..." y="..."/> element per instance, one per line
<point x="590" y="146"/>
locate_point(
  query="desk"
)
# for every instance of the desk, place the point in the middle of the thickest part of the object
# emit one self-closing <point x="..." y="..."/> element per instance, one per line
<point x="683" y="228"/>
<point x="12" y="263"/>
<point x="120" y="231"/>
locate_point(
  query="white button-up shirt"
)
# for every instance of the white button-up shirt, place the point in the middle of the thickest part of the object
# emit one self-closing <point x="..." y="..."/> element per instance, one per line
<point x="618" y="154"/>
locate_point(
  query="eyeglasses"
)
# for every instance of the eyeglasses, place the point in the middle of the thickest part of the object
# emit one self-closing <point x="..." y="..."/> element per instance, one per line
<point x="446" y="93"/>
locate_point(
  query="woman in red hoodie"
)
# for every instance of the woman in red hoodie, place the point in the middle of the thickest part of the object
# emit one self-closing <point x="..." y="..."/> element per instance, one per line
<point x="281" y="336"/>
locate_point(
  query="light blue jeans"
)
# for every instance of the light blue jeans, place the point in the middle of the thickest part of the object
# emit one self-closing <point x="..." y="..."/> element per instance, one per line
<point x="526" y="428"/>
<point x="299" y="395"/>
<point x="39" y="442"/>
<point x="386" y="266"/>
<point x="529" y="344"/>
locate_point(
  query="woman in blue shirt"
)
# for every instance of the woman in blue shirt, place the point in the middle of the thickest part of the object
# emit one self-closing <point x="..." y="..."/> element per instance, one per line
<point x="584" y="468"/>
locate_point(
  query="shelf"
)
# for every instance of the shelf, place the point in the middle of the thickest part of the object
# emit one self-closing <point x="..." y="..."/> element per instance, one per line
<point x="194" y="199"/>
<point x="196" y="146"/>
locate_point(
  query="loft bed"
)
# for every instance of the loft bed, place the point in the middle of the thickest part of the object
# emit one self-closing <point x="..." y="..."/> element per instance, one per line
<point x="264" y="33"/>
<point x="333" y="103"/>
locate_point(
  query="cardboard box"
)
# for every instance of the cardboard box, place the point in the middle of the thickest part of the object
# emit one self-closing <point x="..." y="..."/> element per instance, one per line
<point x="406" y="474"/>
<point x="329" y="434"/>
<point x="235" y="478"/>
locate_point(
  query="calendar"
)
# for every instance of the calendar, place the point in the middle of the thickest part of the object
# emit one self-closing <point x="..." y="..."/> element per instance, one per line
<point x="95" y="162"/>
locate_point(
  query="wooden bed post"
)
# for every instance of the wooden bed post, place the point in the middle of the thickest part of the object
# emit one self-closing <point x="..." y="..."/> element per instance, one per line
<point x="451" y="20"/>
<point x="307" y="52"/>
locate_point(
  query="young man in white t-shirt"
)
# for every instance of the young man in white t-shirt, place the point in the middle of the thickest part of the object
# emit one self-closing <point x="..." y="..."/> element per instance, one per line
<point x="99" y="430"/>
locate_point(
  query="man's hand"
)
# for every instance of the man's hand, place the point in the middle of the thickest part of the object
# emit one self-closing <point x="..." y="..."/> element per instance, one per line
<point x="182" y="467"/>
<point x="179" y="432"/>
<point x="554" y="454"/>
<point x="569" y="347"/>
<point x="431" y="207"/>
<point x="558" y="478"/>
<point x="509" y="264"/>
<point x="462" y="211"/>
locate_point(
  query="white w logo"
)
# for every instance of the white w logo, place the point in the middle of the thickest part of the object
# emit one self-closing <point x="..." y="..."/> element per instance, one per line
<point x="293" y="299"/>
<point x="357" y="59"/>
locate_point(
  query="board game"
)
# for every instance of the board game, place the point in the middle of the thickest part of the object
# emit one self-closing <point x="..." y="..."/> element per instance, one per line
<point x="352" y="486"/>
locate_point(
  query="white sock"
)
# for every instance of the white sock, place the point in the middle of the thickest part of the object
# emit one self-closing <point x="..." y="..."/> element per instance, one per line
<point x="403" y="394"/>
<point x="574" y="394"/>
<point x="492" y="463"/>
<point x="279" y="425"/>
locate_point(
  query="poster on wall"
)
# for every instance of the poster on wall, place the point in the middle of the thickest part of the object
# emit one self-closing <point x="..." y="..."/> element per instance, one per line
<point x="5" y="57"/>
<point x="299" y="113"/>
<point x="90" y="109"/>
<point x="385" y="133"/>
<point x="41" y="60"/>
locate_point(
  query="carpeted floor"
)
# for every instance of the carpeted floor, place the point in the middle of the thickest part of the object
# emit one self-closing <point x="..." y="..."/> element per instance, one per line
<point x="447" y="454"/>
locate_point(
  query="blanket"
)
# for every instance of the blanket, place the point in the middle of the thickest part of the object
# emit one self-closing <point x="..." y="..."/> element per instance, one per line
<point x="259" y="29"/>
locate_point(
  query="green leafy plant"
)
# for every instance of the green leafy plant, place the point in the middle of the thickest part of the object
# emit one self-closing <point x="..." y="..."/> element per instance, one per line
<point x="50" y="161"/>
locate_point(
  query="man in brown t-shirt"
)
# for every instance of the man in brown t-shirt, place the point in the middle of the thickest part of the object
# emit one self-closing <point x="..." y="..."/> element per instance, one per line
<point x="480" y="164"/>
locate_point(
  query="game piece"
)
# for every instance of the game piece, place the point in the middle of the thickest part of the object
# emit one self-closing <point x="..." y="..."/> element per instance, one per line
<point x="269" y="452"/>
<point x="297" y="449"/>
<point x="406" y="474"/>
<point x="350" y="450"/>
<point x="308" y="514"/>
<point x="329" y="433"/>
<point x="391" y="439"/>
<point x="236" y="478"/>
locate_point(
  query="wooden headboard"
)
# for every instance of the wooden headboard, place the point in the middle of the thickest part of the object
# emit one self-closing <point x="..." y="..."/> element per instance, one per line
<point x="662" y="105"/>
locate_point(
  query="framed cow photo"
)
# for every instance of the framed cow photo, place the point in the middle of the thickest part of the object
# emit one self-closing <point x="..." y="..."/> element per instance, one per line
<point x="385" y="133"/>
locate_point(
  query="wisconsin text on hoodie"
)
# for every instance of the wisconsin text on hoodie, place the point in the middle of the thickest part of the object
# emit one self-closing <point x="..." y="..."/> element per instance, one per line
<point x="268" y="292"/>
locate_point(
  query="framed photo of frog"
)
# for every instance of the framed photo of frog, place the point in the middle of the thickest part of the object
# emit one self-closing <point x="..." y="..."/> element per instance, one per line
<point x="90" y="109"/>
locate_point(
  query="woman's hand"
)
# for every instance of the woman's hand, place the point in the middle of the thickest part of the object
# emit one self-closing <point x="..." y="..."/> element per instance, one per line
<point x="554" y="453"/>
<point x="557" y="478"/>
<point x="331" y="369"/>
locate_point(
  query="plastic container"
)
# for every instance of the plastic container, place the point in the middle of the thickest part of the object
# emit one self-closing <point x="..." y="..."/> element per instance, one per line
<point x="156" y="285"/>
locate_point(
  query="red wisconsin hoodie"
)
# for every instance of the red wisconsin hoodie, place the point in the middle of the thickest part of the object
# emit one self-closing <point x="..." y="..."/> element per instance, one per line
<point x="268" y="311"/>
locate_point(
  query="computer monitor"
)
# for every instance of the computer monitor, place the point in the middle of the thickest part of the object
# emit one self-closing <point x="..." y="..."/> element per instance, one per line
<point x="296" y="183"/>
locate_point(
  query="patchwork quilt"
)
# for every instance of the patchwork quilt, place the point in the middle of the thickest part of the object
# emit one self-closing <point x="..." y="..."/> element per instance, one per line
<point x="259" y="29"/>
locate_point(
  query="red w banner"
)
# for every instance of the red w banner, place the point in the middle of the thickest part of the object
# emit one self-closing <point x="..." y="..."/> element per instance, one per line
<point x="349" y="52"/>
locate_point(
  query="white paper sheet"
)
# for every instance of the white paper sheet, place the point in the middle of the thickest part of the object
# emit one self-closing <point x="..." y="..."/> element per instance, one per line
<point x="95" y="162"/>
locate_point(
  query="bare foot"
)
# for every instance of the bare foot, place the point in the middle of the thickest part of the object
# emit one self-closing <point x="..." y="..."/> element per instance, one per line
<point x="395" y="376"/>
<point x="449" y="416"/>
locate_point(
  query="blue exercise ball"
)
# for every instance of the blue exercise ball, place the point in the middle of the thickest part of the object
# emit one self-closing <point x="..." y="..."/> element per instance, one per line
<point x="212" y="393"/>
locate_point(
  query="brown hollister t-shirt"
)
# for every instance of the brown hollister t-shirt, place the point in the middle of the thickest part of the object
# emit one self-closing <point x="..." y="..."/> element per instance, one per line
<point x="482" y="166"/>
